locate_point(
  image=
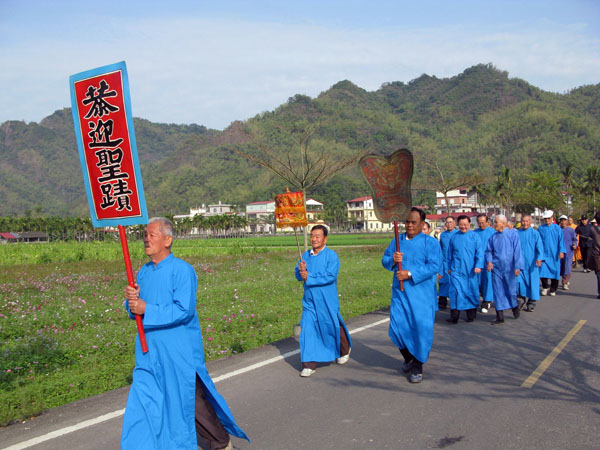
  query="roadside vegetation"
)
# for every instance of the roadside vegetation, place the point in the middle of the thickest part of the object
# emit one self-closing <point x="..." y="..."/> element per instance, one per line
<point x="65" y="335"/>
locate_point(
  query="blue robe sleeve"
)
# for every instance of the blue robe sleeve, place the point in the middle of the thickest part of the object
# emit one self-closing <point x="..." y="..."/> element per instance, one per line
<point x="296" y="270"/>
<point x="328" y="274"/>
<point x="517" y="257"/>
<point x="450" y="254"/>
<point x="561" y="242"/>
<point x="434" y="262"/>
<point x="183" y="304"/>
<point x="488" y="252"/>
<point x="539" y="247"/>
<point x="478" y="253"/>
<point x="387" y="260"/>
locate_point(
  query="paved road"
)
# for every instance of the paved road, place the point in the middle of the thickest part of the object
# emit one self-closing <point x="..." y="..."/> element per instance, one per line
<point x="471" y="398"/>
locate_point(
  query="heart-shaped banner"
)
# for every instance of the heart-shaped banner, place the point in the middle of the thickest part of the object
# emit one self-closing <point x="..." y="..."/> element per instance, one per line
<point x="390" y="178"/>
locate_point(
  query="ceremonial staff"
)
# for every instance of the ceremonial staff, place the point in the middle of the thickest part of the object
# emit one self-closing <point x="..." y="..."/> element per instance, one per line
<point x="103" y="122"/>
<point x="389" y="178"/>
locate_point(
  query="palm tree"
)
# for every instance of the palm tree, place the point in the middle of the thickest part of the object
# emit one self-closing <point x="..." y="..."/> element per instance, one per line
<point x="567" y="179"/>
<point x="591" y="184"/>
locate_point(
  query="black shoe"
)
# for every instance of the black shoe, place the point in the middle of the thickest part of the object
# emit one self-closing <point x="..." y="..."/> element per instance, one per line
<point x="498" y="322"/>
<point x="454" y="321"/>
<point x="471" y="320"/>
<point x="416" y="375"/>
<point x="530" y="307"/>
<point x="442" y="302"/>
<point x="516" y="312"/>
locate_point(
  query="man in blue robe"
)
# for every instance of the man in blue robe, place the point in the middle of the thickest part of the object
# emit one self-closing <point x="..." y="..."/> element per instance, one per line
<point x="566" y="263"/>
<point x="444" y="281"/>
<point x="503" y="259"/>
<point x="412" y="310"/>
<point x="323" y="336"/>
<point x="172" y="396"/>
<point x="465" y="262"/>
<point x="484" y="232"/>
<point x="532" y="252"/>
<point x="554" y="251"/>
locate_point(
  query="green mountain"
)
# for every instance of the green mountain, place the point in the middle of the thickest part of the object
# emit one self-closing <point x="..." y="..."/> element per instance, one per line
<point x="476" y="122"/>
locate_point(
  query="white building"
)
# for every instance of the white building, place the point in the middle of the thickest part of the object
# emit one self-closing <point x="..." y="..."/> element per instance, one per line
<point x="218" y="209"/>
<point x="362" y="211"/>
<point x="261" y="217"/>
<point x="460" y="201"/>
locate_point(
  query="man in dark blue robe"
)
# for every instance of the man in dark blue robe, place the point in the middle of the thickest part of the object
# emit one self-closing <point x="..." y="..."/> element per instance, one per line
<point x="503" y="259"/>
<point x="444" y="281"/>
<point x="532" y="252"/>
<point x="484" y="232"/>
<point x="323" y="336"/>
<point x="554" y="251"/>
<point x="465" y="264"/>
<point x="566" y="263"/>
<point x="412" y="310"/>
<point x="172" y="396"/>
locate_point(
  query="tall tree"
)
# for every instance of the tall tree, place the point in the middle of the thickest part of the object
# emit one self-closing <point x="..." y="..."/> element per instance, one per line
<point x="296" y="152"/>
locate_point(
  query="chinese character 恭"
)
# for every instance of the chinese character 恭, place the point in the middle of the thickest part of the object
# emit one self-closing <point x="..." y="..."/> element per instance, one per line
<point x="97" y="96"/>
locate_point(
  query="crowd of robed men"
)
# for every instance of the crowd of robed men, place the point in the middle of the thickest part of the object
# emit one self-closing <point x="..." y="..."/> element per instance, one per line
<point x="173" y="399"/>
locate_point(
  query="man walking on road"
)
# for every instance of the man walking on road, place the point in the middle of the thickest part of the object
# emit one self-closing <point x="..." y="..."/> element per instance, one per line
<point x="484" y="232"/>
<point x="554" y="251"/>
<point x="566" y="263"/>
<point x="444" y="282"/>
<point x="466" y="262"/>
<point x="172" y="396"/>
<point x="323" y="336"/>
<point x="595" y="253"/>
<point x="583" y="230"/>
<point x="412" y="310"/>
<point x="532" y="252"/>
<point x="503" y="259"/>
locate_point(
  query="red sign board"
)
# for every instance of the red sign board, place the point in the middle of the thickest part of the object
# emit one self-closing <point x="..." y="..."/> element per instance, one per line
<point x="107" y="149"/>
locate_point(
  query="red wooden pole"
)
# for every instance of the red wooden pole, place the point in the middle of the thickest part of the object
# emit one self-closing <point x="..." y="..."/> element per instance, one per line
<point x="131" y="281"/>
<point x="398" y="250"/>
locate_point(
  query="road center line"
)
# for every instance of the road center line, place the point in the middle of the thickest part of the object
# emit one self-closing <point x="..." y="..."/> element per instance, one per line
<point x="115" y="414"/>
<point x="539" y="371"/>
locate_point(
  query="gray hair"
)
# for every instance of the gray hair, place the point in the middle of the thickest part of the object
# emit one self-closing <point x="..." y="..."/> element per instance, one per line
<point x="166" y="226"/>
<point x="502" y="218"/>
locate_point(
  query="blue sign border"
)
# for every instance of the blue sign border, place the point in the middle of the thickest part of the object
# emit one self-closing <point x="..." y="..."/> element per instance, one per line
<point x="97" y="223"/>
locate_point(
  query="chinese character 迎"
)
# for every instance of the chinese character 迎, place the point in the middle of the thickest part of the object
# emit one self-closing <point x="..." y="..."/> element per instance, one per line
<point x="101" y="133"/>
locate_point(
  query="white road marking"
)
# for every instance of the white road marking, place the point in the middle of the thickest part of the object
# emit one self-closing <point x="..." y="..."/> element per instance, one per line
<point x="115" y="414"/>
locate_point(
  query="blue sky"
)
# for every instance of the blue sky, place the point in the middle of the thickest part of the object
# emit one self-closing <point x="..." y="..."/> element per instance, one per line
<point x="213" y="62"/>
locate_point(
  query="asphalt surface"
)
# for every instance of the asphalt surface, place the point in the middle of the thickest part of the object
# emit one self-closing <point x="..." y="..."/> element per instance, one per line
<point x="471" y="397"/>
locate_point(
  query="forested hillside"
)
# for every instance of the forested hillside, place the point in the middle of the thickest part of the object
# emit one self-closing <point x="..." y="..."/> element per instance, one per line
<point x="475" y="124"/>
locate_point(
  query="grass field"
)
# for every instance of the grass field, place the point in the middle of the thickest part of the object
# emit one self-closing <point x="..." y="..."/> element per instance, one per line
<point x="64" y="334"/>
<point x="60" y="252"/>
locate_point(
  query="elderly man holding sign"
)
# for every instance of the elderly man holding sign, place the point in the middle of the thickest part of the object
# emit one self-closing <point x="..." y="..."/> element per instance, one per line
<point x="172" y="396"/>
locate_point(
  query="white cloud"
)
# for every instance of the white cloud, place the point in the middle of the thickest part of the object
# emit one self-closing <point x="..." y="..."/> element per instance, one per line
<point x="213" y="72"/>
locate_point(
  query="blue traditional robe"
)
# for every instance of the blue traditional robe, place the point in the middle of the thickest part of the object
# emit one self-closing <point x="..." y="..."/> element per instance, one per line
<point x="412" y="311"/>
<point x="504" y="252"/>
<point x="160" y="411"/>
<point x="321" y="318"/>
<point x="532" y="250"/>
<point x="485" y="277"/>
<point x="465" y="255"/>
<point x="570" y="239"/>
<point x="444" y="282"/>
<point x="554" y="244"/>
